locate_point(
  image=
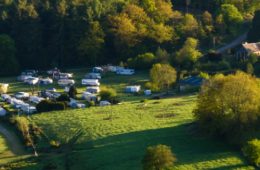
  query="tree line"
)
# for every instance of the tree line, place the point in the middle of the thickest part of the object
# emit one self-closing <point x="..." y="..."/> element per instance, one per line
<point x="43" y="33"/>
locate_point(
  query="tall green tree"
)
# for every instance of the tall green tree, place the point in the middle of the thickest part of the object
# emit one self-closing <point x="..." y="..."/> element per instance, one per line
<point x="91" y="44"/>
<point x="9" y="64"/>
<point x="188" y="55"/>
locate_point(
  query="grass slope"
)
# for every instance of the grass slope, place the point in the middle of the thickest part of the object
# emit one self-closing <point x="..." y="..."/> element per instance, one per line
<point x="120" y="143"/>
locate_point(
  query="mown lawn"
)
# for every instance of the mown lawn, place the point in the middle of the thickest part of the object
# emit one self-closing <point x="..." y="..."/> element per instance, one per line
<point x="119" y="143"/>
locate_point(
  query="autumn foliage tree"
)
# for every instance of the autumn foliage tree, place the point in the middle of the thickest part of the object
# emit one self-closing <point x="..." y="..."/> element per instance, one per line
<point x="229" y="105"/>
<point x="163" y="75"/>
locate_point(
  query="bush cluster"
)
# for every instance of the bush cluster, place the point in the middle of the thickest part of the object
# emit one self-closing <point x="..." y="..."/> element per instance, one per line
<point x="109" y="94"/>
<point x="47" y="106"/>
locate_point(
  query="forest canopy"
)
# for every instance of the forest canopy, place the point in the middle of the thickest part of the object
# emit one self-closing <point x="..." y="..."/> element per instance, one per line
<point x="66" y="33"/>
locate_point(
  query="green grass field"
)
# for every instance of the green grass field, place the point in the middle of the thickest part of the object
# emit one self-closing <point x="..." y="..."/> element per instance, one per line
<point x="120" y="143"/>
<point x="115" y="137"/>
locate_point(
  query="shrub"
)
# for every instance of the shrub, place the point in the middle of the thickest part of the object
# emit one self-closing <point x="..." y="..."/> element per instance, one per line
<point x="108" y="94"/>
<point x="91" y="103"/>
<point x="152" y="86"/>
<point x="252" y="152"/>
<point x="47" y="106"/>
<point x="73" y="92"/>
<point x="63" y="98"/>
<point x="143" y="101"/>
<point x="158" y="158"/>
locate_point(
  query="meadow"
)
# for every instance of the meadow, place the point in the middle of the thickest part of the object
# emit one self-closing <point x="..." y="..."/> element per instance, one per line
<point x="116" y="137"/>
<point x="119" y="142"/>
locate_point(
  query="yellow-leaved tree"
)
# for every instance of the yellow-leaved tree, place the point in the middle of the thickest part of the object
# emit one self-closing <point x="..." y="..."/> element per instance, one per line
<point x="229" y="105"/>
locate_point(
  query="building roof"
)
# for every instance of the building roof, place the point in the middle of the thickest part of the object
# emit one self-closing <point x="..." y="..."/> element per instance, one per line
<point x="252" y="47"/>
<point x="192" y="81"/>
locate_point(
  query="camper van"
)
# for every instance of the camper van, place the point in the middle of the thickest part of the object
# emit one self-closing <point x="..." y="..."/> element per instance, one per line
<point x="125" y="72"/>
<point x="32" y="81"/>
<point x="132" y="89"/>
<point x="90" y="82"/>
<point x="66" y="82"/>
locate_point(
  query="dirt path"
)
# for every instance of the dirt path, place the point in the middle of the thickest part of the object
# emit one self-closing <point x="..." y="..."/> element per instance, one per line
<point x="12" y="140"/>
<point x="233" y="44"/>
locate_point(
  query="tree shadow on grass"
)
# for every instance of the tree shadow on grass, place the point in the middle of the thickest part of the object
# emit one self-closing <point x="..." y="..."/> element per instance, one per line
<point x="125" y="151"/>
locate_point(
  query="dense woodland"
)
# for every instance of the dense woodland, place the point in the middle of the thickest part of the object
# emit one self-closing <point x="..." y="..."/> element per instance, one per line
<point x="45" y="33"/>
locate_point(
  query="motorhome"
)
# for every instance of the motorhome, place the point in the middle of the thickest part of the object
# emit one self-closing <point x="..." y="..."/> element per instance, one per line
<point x="32" y="81"/>
<point x="66" y="82"/>
<point x="90" y="82"/>
<point x="125" y="72"/>
<point x="132" y="89"/>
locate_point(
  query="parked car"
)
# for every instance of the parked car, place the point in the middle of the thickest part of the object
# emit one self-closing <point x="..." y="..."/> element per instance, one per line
<point x="66" y="82"/>
<point x="35" y="99"/>
<point x="5" y="97"/>
<point x="97" y="70"/>
<point x="28" y="109"/>
<point x="75" y="104"/>
<point x="3" y="112"/>
<point x="21" y="95"/>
